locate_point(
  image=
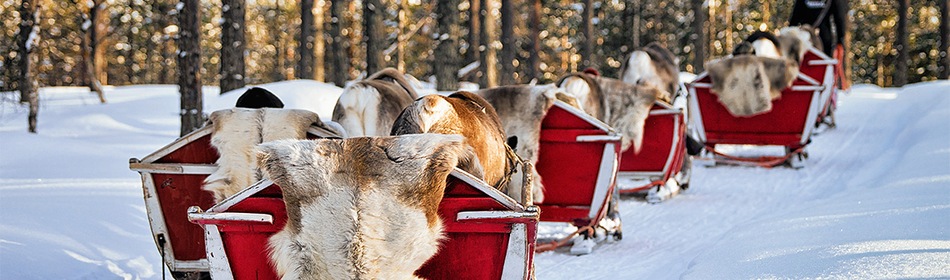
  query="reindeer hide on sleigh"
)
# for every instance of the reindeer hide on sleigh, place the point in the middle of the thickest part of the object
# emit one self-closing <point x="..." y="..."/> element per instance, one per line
<point x="623" y="106"/>
<point x="237" y="131"/>
<point x="747" y="84"/>
<point x="360" y="208"/>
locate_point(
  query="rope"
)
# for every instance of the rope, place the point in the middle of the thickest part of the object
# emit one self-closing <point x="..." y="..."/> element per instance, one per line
<point x="513" y="161"/>
<point x="650" y="184"/>
<point x="763" y="161"/>
<point x="540" y="248"/>
<point x="589" y="228"/>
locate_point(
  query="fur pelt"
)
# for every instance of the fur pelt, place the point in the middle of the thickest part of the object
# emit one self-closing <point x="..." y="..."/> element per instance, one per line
<point x="359" y="208"/>
<point x="521" y="109"/>
<point x="653" y="64"/>
<point x="797" y="39"/>
<point x="369" y="107"/>
<point x="467" y="114"/>
<point x="746" y="84"/>
<point x="625" y="107"/>
<point x="236" y="132"/>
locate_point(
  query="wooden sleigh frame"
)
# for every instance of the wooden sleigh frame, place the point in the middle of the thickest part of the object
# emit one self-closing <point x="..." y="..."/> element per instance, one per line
<point x="790" y="123"/>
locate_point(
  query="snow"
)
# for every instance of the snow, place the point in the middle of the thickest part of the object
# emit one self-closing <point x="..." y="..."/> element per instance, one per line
<point x="872" y="202"/>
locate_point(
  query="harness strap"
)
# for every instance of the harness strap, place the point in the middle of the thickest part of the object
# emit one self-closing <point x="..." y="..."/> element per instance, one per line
<point x="514" y="161"/>
<point x="824" y="13"/>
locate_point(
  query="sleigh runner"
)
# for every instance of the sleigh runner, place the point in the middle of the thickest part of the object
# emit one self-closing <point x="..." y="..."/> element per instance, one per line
<point x="789" y="124"/>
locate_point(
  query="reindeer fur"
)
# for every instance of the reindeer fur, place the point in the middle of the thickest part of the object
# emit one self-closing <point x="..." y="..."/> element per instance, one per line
<point x="797" y="39"/>
<point x="625" y="107"/>
<point x="360" y="208"/>
<point x="369" y="107"/>
<point x="746" y="84"/>
<point x="653" y="64"/>
<point x="237" y="131"/>
<point x="466" y="114"/>
<point x="521" y="109"/>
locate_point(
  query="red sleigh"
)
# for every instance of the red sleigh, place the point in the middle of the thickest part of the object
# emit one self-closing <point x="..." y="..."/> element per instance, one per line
<point x="171" y="180"/>
<point x="662" y="157"/>
<point x="578" y="159"/>
<point x="489" y="235"/>
<point x="484" y="227"/>
<point x="790" y="123"/>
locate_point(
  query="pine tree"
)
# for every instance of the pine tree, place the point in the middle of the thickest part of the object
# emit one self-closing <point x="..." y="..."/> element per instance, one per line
<point x="944" y="51"/>
<point x="338" y="68"/>
<point x="26" y="42"/>
<point x="446" y="64"/>
<point x="587" y="35"/>
<point x="533" y="70"/>
<point x="698" y="38"/>
<point x="374" y="37"/>
<point x="232" y="45"/>
<point x="488" y="54"/>
<point x="508" y="50"/>
<point x="900" y="71"/>
<point x="305" y="41"/>
<point x="91" y="54"/>
<point x="189" y="65"/>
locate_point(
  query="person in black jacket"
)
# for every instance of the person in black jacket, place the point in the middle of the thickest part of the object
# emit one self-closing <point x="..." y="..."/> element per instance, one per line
<point x="830" y="17"/>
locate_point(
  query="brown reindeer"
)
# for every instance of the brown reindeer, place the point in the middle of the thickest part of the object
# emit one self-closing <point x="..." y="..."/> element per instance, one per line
<point x="466" y="114"/>
<point x="369" y="107"/>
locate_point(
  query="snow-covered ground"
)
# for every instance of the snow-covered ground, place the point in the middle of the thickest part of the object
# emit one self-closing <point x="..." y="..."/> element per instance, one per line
<point x="872" y="202"/>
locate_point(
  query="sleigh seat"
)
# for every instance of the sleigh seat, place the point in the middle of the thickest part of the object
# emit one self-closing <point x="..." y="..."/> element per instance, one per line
<point x="789" y="124"/>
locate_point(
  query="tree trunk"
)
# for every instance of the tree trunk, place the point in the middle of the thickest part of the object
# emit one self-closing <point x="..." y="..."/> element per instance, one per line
<point x="474" y="31"/>
<point x="275" y="30"/>
<point x="373" y="35"/>
<point x="90" y="42"/>
<point x="26" y="40"/>
<point x="533" y="70"/>
<point x="319" y="44"/>
<point x="711" y="31"/>
<point x="699" y="36"/>
<point x="488" y="56"/>
<point x="232" y="45"/>
<point x="632" y="19"/>
<point x="944" y="39"/>
<point x="305" y="41"/>
<point x="400" y="41"/>
<point x="727" y="10"/>
<point x="446" y="62"/>
<point x="587" y="35"/>
<point x="900" y="67"/>
<point x="508" y="50"/>
<point x="338" y="69"/>
<point x="97" y="44"/>
<point x="189" y="65"/>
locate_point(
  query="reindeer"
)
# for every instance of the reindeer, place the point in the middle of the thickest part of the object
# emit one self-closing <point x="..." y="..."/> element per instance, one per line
<point x="369" y="107"/>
